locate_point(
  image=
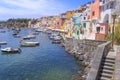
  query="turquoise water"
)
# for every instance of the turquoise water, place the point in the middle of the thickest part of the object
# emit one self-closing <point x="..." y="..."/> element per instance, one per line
<point x="45" y="62"/>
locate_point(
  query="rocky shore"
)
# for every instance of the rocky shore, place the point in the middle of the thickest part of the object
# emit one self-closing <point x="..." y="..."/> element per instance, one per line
<point x="83" y="51"/>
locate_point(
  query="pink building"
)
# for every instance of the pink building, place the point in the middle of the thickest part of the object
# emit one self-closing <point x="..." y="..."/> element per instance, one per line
<point x="95" y="10"/>
<point x="102" y="28"/>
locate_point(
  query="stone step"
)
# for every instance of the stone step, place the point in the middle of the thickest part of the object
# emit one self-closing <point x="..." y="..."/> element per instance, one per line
<point x="109" y="61"/>
<point x="107" y="71"/>
<point x="108" y="68"/>
<point x="108" y="64"/>
<point x="104" y="78"/>
<point x="110" y="58"/>
<point x="105" y="75"/>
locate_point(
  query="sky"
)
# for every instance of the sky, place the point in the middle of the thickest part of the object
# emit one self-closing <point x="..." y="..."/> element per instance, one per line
<point x="36" y="8"/>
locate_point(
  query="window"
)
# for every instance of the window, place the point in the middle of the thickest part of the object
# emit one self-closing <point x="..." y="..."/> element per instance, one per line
<point x="98" y="29"/>
<point x="84" y="18"/>
<point x="84" y="24"/>
<point x="93" y="13"/>
<point x="107" y="6"/>
<point x="111" y="6"/>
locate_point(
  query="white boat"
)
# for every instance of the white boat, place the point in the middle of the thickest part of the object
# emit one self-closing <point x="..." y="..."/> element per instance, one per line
<point x="39" y="30"/>
<point x="56" y="40"/>
<point x="29" y="37"/>
<point x="11" y="50"/>
<point x="53" y="35"/>
<point x="29" y="44"/>
<point x="3" y="43"/>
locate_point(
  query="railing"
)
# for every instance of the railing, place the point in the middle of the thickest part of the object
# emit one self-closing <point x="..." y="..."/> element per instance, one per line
<point x="101" y="51"/>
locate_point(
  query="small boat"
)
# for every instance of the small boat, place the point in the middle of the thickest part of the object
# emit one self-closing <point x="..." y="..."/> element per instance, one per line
<point x="56" y="40"/>
<point x="18" y="29"/>
<point x="3" y="43"/>
<point x="39" y="30"/>
<point x="29" y="44"/>
<point x="15" y="33"/>
<point x="2" y="31"/>
<point x="17" y="36"/>
<point x="29" y="37"/>
<point x="52" y="36"/>
<point x="11" y="50"/>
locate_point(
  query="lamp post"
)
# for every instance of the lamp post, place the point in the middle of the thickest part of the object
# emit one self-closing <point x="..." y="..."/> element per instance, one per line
<point x="114" y="17"/>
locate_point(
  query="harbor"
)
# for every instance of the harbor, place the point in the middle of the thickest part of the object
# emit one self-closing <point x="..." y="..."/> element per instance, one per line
<point x="60" y="40"/>
<point x="44" y="62"/>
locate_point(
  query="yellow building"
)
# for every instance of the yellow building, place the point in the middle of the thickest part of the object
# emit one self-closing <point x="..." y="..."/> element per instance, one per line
<point x="66" y="16"/>
<point x="69" y="14"/>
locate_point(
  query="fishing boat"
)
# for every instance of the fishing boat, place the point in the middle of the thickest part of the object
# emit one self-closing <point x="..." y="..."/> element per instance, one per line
<point x="29" y="37"/>
<point x="3" y="43"/>
<point x="56" y="40"/>
<point x="11" y="50"/>
<point x="29" y="44"/>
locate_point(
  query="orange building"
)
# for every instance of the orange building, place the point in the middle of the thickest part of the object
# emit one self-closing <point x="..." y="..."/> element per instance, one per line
<point x="95" y="10"/>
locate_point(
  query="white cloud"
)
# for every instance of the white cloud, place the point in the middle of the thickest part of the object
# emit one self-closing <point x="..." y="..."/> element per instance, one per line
<point x="30" y="8"/>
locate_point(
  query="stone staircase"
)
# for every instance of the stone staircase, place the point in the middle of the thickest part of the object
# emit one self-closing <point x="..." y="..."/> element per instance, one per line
<point x="107" y="68"/>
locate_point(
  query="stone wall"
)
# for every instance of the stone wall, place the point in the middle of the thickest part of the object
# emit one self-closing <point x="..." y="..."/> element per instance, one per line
<point x="84" y="51"/>
<point x="101" y="51"/>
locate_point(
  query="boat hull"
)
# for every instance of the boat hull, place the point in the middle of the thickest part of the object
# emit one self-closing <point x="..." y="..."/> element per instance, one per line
<point x="11" y="51"/>
<point x="29" y="44"/>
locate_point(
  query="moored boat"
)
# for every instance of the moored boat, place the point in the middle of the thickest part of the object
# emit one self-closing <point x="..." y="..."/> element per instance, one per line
<point x="38" y="30"/>
<point x="52" y="36"/>
<point x="56" y="40"/>
<point x="3" y="43"/>
<point x="15" y="33"/>
<point x="29" y="37"/>
<point x="2" y="31"/>
<point x="11" y="50"/>
<point x="29" y="44"/>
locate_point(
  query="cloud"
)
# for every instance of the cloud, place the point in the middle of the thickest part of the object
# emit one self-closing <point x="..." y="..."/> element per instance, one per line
<point x="30" y="8"/>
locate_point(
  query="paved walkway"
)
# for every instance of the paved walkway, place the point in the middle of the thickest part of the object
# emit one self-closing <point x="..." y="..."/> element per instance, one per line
<point x="117" y="63"/>
<point x="113" y="53"/>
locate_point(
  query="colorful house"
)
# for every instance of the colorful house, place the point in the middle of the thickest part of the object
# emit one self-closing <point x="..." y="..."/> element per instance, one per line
<point x="95" y="10"/>
<point x="101" y="31"/>
<point x="107" y="7"/>
<point x="69" y="14"/>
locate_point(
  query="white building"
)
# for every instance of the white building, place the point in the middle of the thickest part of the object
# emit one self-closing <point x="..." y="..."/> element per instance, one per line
<point x="107" y="8"/>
